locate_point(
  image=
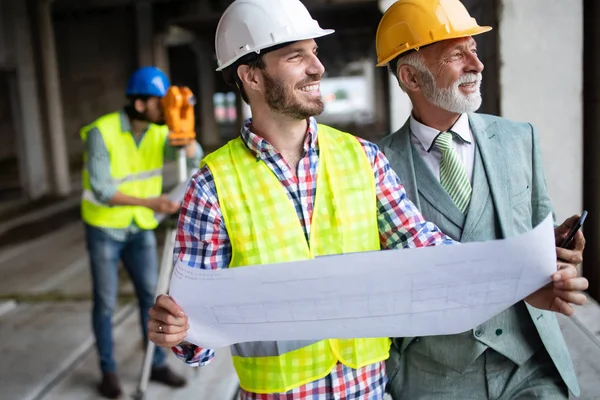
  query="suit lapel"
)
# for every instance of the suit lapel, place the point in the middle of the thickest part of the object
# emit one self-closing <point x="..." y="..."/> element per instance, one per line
<point x="481" y="192"/>
<point x="491" y="144"/>
<point x="403" y="162"/>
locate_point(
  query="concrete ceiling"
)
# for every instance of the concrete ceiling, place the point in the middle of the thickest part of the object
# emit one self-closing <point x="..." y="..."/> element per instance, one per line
<point x="355" y="21"/>
<point x="216" y="5"/>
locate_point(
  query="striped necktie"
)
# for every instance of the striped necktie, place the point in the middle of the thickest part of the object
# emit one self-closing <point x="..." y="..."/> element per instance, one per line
<point x="453" y="175"/>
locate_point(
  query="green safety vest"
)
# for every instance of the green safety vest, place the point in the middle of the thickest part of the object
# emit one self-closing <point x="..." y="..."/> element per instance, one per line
<point x="264" y="228"/>
<point x="135" y="170"/>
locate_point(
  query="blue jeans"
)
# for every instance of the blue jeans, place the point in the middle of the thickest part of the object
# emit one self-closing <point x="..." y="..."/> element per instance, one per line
<point x="139" y="257"/>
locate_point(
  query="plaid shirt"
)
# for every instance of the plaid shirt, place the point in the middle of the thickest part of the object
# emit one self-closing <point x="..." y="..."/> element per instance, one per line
<point x="203" y="242"/>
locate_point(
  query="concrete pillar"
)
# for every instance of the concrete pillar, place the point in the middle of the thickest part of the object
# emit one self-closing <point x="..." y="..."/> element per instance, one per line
<point x="161" y="54"/>
<point x="400" y="105"/>
<point x="17" y="117"/>
<point x="208" y="134"/>
<point x="6" y="45"/>
<point x="591" y="95"/>
<point x="541" y="82"/>
<point x="34" y="178"/>
<point x="381" y="110"/>
<point x="541" y="72"/>
<point x="145" y="32"/>
<point x="58" y="145"/>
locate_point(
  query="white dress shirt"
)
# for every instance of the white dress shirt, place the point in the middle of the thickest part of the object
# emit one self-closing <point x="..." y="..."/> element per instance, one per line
<point x="423" y="136"/>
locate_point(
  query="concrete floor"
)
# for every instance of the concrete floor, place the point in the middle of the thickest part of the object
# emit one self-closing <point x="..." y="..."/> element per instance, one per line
<point x="47" y="347"/>
<point x="214" y="381"/>
<point x="45" y="327"/>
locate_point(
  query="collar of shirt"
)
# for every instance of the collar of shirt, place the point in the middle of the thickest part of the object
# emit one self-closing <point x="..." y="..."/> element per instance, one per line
<point x="260" y="146"/>
<point x="427" y="135"/>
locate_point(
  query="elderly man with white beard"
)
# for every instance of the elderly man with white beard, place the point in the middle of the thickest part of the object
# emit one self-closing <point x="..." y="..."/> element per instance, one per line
<point x="477" y="177"/>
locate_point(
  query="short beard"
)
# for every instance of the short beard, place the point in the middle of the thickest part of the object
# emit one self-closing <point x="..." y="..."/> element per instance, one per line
<point x="132" y="113"/>
<point x="280" y="99"/>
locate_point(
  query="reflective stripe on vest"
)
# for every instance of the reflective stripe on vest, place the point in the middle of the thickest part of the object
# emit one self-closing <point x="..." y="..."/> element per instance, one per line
<point x="263" y="228"/>
<point x="136" y="170"/>
<point x="89" y="195"/>
<point x="135" y="177"/>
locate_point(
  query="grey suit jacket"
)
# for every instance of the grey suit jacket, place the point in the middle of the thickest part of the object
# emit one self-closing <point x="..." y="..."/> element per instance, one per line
<point x="512" y="158"/>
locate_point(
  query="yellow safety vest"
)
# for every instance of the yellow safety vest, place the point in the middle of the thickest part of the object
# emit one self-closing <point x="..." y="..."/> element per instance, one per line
<point x="136" y="171"/>
<point x="264" y="228"/>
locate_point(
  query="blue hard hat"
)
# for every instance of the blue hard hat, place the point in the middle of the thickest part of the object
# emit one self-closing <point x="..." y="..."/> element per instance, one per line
<point x="147" y="81"/>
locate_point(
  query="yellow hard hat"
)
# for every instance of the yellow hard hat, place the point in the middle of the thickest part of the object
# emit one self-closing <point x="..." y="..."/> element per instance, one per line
<point x="411" y="24"/>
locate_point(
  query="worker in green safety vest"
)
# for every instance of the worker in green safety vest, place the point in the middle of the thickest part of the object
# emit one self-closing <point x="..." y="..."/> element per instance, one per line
<point x="124" y="153"/>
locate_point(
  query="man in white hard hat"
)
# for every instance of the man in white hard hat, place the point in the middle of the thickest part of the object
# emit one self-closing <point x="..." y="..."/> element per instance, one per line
<point x="260" y="200"/>
<point x="478" y="177"/>
<point x="288" y="189"/>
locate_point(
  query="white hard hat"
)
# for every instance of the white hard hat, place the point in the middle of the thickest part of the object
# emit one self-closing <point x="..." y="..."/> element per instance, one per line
<point x="249" y="26"/>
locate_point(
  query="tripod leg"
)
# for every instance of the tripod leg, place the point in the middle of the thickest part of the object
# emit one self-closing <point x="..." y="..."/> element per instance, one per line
<point x="162" y="286"/>
<point x="166" y="267"/>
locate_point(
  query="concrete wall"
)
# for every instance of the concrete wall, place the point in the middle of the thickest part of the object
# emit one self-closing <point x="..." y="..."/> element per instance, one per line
<point x="96" y="53"/>
<point x="541" y="48"/>
<point x="8" y="149"/>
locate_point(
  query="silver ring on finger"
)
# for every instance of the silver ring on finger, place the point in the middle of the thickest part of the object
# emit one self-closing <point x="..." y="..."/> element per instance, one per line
<point x="160" y="328"/>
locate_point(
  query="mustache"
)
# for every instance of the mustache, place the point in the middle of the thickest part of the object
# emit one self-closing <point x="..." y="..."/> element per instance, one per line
<point x="469" y="78"/>
<point x="311" y="80"/>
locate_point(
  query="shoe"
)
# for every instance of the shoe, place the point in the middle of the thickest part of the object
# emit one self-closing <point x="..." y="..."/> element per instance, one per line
<point x="110" y="387"/>
<point x="166" y="376"/>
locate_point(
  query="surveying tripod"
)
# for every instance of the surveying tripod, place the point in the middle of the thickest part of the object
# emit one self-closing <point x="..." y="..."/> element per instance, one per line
<point x="179" y="114"/>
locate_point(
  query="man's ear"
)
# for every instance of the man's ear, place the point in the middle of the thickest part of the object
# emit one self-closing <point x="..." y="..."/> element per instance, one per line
<point x="139" y="105"/>
<point x="408" y="76"/>
<point x="250" y="77"/>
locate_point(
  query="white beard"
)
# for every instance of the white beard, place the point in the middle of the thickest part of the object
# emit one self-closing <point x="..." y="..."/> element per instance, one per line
<point x="451" y="99"/>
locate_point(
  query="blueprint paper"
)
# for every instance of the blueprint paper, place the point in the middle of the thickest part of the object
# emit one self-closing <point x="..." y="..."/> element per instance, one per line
<point x="394" y="293"/>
